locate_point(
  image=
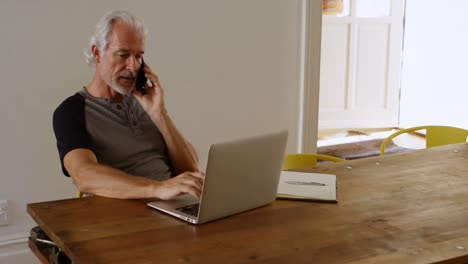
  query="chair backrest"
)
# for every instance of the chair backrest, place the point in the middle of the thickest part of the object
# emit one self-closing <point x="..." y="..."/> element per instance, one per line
<point x="444" y="135"/>
<point x="435" y="136"/>
<point x="294" y="161"/>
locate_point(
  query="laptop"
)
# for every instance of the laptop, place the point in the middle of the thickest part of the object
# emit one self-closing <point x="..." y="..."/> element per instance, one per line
<point x="240" y="175"/>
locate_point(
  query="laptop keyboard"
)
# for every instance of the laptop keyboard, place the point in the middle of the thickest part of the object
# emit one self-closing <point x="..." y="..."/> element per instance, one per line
<point x="190" y="209"/>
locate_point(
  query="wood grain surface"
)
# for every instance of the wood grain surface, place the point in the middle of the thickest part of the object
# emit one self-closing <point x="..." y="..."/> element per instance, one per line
<point x="400" y="208"/>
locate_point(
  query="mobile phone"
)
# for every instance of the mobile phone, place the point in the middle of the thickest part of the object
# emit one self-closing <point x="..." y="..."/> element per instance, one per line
<point x="141" y="79"/>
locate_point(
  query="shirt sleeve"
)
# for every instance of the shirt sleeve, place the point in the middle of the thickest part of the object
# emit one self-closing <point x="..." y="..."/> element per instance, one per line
<point x="70" y="127"/>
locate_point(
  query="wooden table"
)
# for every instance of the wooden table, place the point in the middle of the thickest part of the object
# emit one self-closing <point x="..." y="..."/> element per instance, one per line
<point x="401" y="208"/>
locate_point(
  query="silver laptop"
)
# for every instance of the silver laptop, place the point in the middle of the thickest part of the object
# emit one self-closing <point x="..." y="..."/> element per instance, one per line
<point x="240" y="175"/>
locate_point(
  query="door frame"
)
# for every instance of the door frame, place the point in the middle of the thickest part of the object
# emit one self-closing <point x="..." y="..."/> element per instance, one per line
<point x="309" y="96"/>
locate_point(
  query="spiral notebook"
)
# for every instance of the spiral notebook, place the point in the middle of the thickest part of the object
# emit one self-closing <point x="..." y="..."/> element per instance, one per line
<point x="307" y="186"/>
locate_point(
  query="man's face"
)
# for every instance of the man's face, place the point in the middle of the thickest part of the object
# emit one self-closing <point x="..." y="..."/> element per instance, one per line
<point x="121" y="60"/>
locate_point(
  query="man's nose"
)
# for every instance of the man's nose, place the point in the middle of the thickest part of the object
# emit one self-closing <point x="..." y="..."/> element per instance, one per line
<point x="132" y="64"/>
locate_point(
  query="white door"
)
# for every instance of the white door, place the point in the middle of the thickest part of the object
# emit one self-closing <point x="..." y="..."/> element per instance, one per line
<point x="361" y="65"/>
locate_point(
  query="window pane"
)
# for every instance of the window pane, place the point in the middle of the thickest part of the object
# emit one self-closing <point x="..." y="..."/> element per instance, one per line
<point x="372" y="8"/>
<point x="339" y="8"/>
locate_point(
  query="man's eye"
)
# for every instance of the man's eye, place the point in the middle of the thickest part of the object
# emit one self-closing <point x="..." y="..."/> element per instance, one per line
<point x="123" y="55"/>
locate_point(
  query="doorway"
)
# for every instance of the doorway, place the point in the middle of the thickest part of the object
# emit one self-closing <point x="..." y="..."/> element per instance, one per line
<point x="361" y="65"/>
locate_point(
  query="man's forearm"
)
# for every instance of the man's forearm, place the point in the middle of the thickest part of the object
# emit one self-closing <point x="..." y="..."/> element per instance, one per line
<point x="182" y="155"/>
<point x="109" y="182"/>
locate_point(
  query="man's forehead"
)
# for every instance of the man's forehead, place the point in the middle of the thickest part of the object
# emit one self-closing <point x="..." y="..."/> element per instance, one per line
<point x="119" y="48"/>
<point x="124" y="37"/>
<point x="124" y="50"/>
<point x="124" y="46"/>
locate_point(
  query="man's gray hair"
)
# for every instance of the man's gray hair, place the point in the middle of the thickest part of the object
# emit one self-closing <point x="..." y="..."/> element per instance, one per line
<point x="100" y="37"/>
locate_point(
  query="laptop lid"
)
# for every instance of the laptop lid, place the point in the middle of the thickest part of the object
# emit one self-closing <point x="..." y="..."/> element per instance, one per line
<point x="240" y="175"/>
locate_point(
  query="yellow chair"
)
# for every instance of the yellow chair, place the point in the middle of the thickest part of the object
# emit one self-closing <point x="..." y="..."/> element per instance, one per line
<point x="79" y="195"/>
<point x="435" y="136"/>
<point x="294" y="161"/>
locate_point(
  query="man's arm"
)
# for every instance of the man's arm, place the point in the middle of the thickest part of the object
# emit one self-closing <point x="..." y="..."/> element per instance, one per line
<point x="91" y="177"/>
<point x="181" y="153"/>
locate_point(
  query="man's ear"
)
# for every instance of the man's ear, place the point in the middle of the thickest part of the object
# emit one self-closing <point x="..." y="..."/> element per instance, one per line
<point x="96" y="53"/>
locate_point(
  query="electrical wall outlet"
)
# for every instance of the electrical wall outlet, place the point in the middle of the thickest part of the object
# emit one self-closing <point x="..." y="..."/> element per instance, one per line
<point x="3" y="212"/>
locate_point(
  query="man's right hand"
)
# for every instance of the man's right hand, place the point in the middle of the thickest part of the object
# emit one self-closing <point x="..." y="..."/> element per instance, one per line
<point x="187" y="182"/>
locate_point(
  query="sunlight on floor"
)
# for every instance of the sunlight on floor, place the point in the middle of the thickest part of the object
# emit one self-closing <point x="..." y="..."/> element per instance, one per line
<point x="328" y="138"/>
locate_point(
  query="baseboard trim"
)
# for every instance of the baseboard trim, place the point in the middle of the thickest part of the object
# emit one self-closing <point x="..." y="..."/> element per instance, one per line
<point x="14" y="244"/>
<point x="15" y="252"/>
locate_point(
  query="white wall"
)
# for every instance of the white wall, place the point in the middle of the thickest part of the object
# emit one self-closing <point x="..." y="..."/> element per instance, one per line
<point x="435" y="64"/>
<point x="230" y="69"/>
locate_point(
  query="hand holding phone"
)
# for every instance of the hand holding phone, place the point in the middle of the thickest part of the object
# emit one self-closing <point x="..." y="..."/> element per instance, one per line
<point x="141" y="79"/>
